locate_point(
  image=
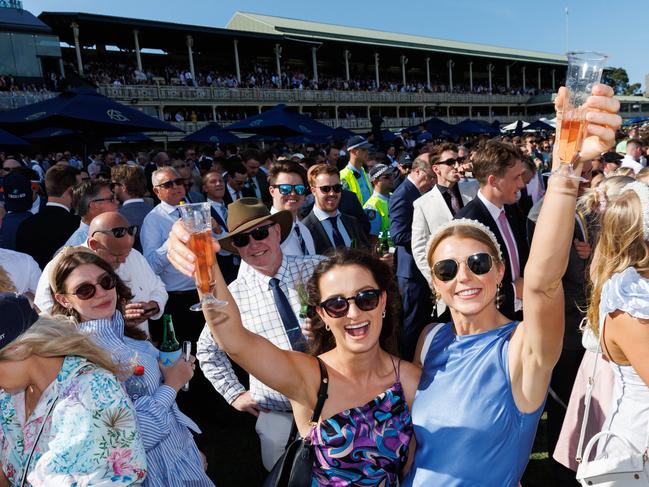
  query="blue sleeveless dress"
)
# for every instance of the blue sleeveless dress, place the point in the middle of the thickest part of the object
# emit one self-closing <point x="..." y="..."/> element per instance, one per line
<point x="469" y="431"/>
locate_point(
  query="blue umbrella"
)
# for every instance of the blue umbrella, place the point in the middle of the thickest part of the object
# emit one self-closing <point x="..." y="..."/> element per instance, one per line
<point x="539" y="125"/>
<point x="633" y="120"/>
<point x="475" y="127"/>
<point x="10" y="139"/>
<point x="281" y="122"/>
<point x="48" y="133"/>
<point x="342" y="134"/>
<point x="83" y="110"/>
<point x="437" y="128"/>
<point x="213" y="133"/>
<point x="128" y="138"/>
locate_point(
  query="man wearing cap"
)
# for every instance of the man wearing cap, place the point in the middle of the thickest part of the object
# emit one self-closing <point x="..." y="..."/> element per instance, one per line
<point x="404" y="166"/>
<point x="377" y="207"/>
<point x="18" y="201"/>
<point x="611" y="162"/>
<point x="111" y="239"/>
<point x="267" y="292"/>
<point x="353" y="177"/>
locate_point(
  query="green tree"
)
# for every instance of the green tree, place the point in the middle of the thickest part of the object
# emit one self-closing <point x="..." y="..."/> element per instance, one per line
<point x="618" y="79"/>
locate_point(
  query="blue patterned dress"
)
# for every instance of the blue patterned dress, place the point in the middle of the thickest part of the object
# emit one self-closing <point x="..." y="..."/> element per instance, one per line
<point x="366" y="445"/>
<point x="89" y="438"/>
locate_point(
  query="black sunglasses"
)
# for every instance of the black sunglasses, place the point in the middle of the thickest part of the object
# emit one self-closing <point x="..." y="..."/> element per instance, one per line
<point x="170" y="184"/>
<point x="100" y="200"/>
<point x="451" y="162"/>
<point x="259" y="233"/>
<point x="336" y="188"/>
<point x="87" y="291"/>
<point x="479" y="264"/>
<point x="338" y="306"/>
<point x="119" y="232"/>
<point x="286" y="189"/>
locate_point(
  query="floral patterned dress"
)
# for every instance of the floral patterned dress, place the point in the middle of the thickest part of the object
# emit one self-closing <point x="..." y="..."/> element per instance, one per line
<point x="90" y="438"/>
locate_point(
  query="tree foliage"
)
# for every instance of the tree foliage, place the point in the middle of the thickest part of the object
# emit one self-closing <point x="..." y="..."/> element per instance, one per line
<point x="618" y="79"/>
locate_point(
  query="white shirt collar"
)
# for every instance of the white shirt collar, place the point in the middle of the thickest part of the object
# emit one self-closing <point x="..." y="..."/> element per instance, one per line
<point x="133" y="200"/>
<point x="493" y="210"/>
<point x="322" y="215"/>
<point x="169" y="209"/>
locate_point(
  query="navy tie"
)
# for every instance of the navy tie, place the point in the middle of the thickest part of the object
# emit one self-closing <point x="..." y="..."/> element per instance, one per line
<point x="286" y="313"/>
<point x="338" y="238"/>
<point x="300" y="239"/>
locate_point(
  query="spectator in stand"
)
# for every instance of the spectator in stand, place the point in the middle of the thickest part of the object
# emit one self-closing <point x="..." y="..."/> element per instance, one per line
<point x="129" y="187"/>
<point x="44" y="233"/>
<point x="257" y="181"/>
<point x="90" y="199"/>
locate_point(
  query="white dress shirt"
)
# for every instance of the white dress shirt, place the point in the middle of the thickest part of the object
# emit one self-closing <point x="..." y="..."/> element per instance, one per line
<point x="494" y="211"/>
<point x="136" y="274"/>
<point x="328" y="228"/>
<point x="291" y="245"/>
<point x="22" y="269"/>
<point x="251" y="291"/>
<point x="629" y="161"/>
<point x="36" y="205"/>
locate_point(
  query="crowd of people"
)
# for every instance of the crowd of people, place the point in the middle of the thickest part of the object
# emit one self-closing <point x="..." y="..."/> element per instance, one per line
<point x="409" y="308"/>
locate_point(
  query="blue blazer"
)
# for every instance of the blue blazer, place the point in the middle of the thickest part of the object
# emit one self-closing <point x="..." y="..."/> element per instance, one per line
<point x="401" y="212"/>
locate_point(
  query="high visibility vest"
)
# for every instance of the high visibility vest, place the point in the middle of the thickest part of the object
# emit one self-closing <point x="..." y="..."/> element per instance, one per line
<point x="382" y="207"/>
<point x="347" y="175"/>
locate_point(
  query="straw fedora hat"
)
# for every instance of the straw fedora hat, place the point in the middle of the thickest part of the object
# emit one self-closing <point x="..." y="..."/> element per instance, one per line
<point x="247" y="213"/>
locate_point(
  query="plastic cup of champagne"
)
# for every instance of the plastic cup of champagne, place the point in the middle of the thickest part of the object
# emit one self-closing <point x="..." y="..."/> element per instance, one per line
<point x="584" y="71"/>
<point x="197" y="220"/>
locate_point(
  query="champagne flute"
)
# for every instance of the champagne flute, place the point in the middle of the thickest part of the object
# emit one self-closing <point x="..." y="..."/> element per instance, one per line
<point x="197" y="220"/>
<point x="584" y="71"/>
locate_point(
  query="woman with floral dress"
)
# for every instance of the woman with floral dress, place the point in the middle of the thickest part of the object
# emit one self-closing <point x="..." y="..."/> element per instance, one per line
<point x="64" y="418"/>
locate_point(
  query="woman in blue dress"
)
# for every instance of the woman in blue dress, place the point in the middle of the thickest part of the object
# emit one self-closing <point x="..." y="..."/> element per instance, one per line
<point x="485" y="378"/>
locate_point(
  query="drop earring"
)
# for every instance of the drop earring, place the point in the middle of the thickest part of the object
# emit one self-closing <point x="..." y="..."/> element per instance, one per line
<point x="383" y="314"/>
<point x="499" y="298"/>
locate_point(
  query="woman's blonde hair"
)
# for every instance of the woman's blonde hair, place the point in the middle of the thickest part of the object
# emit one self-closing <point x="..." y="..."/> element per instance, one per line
<point x="6" y="284"/>
<point x="49" y="337"/>
<point x="621" y="245"/>
<point x="594" y="200"/>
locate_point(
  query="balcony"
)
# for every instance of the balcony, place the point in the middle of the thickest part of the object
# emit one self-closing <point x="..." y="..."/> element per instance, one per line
<point x="15" y="99"/>
<point x="164" y="93"/>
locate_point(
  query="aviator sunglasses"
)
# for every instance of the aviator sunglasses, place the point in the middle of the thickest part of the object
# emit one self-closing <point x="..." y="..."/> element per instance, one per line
<point x="170" y="184"/>
<point x="286" y="189"/>
<point x="87" y="291"/>
<point x="119" y="232"/>
<point x="479" y="264"/>
<point x="259" y="233"/>
<point x="338" y="306"/>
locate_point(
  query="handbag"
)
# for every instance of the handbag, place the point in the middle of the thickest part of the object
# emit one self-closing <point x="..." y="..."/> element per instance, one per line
<point x="295" y="466"/>
<point x="628" y="470"/>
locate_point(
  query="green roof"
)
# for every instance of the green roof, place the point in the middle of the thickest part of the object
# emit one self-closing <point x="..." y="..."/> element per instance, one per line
<point x="268" y="24"/>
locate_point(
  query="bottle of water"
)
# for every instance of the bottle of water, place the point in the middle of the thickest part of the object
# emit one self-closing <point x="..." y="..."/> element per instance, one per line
<point x="135" y="385"/>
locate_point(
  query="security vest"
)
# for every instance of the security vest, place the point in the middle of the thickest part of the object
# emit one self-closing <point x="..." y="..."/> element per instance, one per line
<point x="381" y="205"/>
<point x="347" y="175"/>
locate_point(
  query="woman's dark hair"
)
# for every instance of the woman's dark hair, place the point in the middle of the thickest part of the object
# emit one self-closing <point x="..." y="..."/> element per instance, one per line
<point x="323" y="340"/>
<point x="64" y="267"/>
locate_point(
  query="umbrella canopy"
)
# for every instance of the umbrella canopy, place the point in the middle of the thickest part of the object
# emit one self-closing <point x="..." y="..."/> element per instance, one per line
<point x="342" y="134"/>
<point x="10" y="139"/>
<point x="48" y="133"/>
<point x="213" y="133"/>
<point x="281" y="122"/>
<point x="129" y="138"/>
<point x="633" y="120"/>
<point x="83" y="110"/>
<point x="514" y="125"/>
<point x="539" y="125"/>
<point x="475" y="127"/>
<point x="437" y="128"/>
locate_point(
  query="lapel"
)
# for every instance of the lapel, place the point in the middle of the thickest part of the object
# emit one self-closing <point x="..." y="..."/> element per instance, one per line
<point x="320" y="238"/>
<point x="438" y="204"/>
<point x="217" y="217"/>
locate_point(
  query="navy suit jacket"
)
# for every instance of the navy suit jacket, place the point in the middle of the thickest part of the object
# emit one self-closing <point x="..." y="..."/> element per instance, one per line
<point x="476" y="210"/>
<point x="349" y="205"/>
<point x="401" y="212"/>
<point x="321" y="240"/>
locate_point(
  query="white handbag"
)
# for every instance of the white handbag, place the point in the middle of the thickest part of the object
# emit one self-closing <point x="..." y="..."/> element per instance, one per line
<point x="629" y="470"/>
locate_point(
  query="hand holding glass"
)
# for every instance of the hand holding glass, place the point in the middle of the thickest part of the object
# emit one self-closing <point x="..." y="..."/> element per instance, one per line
<point x="198" y="222"/>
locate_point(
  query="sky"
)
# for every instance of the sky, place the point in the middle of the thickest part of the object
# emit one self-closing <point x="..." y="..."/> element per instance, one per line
<point x="617" y="29"/>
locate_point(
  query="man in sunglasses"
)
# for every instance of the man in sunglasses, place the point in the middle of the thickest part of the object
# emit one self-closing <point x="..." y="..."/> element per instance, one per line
<point x="329" y="227"/>
<point x="439" y="205"/>
<point x="288" y="188"/>
<point x="90" y="199"/>
<point x="353" y="177"/>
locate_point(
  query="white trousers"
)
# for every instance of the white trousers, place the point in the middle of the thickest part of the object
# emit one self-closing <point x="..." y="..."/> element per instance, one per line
<point x="273" y="429"/>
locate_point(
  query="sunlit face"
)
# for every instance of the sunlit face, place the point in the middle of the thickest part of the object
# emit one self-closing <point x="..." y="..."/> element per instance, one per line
<point x="172" y="195"/>
<point x="112" y="250"/>
<point x="447" y="175"/>
<point x="511" y="183"/>
<point x="214" y="186"/>
<point x="329" y="201"/>
<point x="102" y="305"/>
<point x="467" y="293"/>
<point x="264" y="255"/>
<point x="358" y="331"/>
<point x="291" y="202"/>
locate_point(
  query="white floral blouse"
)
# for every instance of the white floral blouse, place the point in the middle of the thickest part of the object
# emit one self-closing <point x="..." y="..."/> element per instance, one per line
<point x="90" y="438"/>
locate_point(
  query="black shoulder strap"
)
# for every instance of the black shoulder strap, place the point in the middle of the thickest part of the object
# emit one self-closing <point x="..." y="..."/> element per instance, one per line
<point x="322" y="392"/>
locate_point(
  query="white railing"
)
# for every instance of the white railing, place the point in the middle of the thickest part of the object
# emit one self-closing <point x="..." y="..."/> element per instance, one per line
<point x="15" y="99"/>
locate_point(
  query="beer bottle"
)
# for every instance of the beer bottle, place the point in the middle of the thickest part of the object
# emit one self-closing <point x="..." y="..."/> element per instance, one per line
<point x="169" y="348"/>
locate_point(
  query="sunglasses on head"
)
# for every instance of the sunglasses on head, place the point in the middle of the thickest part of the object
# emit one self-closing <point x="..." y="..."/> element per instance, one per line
<point x="451" y="161"/>
<point x="338" y="306"/>
<point x="336" y="188"/>
<point x="87" y="291"/>
<point x="171" y="183"/>
<point x="259" y="233"/>
<point x="479" y="264"/>
<point x="286" y="189"/>
<point x="119" y="232"/>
